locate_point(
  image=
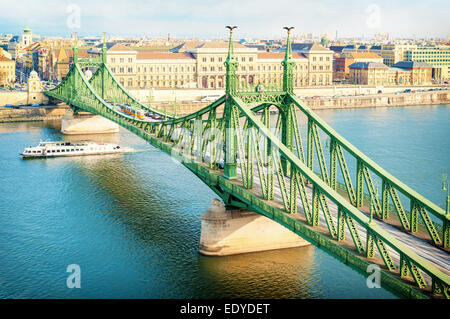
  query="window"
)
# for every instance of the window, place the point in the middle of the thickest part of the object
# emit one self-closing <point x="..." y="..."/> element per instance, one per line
<point x="204" y="59"/>
<point x="212" y="59"/>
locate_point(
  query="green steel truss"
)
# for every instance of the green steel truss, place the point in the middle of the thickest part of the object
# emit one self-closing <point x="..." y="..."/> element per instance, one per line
<point x="232" y="146"/>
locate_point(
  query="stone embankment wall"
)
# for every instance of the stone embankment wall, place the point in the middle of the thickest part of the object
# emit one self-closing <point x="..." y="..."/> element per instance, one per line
<point x="375" y="100"/>
<point x="404" y="99"/>
<point x="16" y="97"/>
<point x="31" y="114"/>
<point x="389" y="100"/>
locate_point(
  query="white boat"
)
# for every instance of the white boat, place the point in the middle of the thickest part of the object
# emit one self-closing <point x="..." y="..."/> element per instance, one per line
<point x="63" y="148"/>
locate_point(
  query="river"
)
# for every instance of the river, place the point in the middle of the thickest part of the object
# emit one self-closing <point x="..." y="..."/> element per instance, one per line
<point x="132" y="222"/>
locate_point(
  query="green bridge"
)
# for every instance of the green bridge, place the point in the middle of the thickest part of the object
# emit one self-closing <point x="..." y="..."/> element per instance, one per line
<point x="232" y="146"/>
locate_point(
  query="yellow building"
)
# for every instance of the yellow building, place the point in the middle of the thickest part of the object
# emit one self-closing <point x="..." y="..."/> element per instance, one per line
<point x="393" y="53"/>
<point x="401" y="73"/>
<point x="437" y="56"/>
<point x="7" y="71"/>
<point x="201" y="65"/>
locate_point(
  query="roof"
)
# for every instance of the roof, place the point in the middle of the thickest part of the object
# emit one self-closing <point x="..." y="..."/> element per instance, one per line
<point x="368" y="65"/>
<point x="363" y="55"/>
<point x="5" y="59"/>
<point x="118" y="47"/>
<point x="336" y="48"/>
<point x="412" y="65"/>
<point x="150" y="55"/>
<point x="219" y="45"/>
<point x="308" y="47"/>
<point x="69" y="53"/>
<point x="186" y="46"/>
<point x="279" y="55"/>
<point x="108" y="45"/>
<point x="191" y="45"/>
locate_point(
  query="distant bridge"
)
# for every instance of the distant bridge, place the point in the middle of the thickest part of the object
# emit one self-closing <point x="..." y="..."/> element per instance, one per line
<point x="231" y="146"/>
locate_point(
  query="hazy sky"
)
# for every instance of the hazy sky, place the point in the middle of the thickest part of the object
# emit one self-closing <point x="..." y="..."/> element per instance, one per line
<point x="207" y="18"/>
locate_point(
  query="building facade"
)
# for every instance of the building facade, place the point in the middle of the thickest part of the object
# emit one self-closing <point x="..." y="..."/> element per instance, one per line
<point x="7" y="71"/>
<point x="342" y="63"/>
<point x="437" y="56"/>
<point x="201" y="65"/>
<point x="401" y="73"/>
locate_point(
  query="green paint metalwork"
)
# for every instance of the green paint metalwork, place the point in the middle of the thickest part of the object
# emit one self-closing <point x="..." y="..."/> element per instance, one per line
<point x="202" y="142"/>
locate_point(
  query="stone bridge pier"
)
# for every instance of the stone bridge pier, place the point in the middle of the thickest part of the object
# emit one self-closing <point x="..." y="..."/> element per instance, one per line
<point x="229" y="232"/>
<point x="86" y="123"/>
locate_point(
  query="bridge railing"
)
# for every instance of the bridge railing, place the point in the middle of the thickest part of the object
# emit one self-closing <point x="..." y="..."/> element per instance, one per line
<point x="83" y="96"/>
<point x="419" y="205"/>
<point x="409" y="261"/>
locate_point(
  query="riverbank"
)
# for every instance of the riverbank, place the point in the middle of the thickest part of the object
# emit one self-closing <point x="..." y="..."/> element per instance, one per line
<point x="342" y="102"/>
<point x="52" y="112"/>
<point x="380" y="100"/>
<point x="30" y="114"/>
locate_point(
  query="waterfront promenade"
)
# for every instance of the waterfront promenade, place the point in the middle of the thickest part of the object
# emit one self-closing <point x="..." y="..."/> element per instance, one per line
<point x="188" y="101"/>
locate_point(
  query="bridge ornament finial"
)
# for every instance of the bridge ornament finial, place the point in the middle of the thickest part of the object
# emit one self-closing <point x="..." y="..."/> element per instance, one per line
<point x="231" y="64"/>
<point x="230" y="42"/>
<point x="75" y="48"/>
<point x="104" y="48"/>
<point x="288" y="64"/>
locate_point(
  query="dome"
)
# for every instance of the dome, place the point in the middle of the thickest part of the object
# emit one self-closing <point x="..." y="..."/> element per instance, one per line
<point x="33" y="75"/>
<point x="27" y="30"/>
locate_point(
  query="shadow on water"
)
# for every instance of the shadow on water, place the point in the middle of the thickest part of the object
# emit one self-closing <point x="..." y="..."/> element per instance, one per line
<point x="132" y="221"/>
<point x="262" y="274"/>
<point x="160" y="223"/>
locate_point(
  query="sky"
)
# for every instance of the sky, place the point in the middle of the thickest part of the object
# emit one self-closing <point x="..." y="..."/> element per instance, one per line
<point x="207" y="18"/>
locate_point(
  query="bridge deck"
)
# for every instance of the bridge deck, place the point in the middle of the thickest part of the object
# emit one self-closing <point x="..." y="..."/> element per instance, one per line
<point x="438" y="257"/>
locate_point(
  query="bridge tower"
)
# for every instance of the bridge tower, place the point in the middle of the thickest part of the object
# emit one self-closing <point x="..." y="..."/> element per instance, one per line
<point x="231" y="65"/>
<point x="287" y="108"/>
<point x="103" y="68"/>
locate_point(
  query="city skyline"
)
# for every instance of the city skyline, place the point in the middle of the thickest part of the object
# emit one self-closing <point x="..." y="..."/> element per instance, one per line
<point x="183" y="19"/>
